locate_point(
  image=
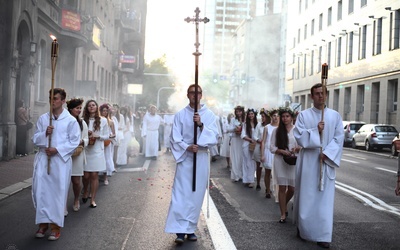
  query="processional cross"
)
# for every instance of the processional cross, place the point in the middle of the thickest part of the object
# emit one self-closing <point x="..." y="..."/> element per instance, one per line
<point x="196" y="20"/>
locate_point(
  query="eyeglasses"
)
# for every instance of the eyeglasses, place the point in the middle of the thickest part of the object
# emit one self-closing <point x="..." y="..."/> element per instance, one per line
<point x="192" y="92"/>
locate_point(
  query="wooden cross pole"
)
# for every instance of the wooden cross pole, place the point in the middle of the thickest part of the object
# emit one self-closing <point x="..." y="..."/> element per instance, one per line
<point x="196" y="20"/>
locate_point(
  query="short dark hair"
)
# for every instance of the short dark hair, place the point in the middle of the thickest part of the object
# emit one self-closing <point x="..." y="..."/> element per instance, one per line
<point x="60" y="91"/>
<point x="316" y="86"/>
<point x="193" y="86"/>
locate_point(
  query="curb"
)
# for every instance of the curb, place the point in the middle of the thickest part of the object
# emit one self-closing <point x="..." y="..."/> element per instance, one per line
<point x="15" y="188"/>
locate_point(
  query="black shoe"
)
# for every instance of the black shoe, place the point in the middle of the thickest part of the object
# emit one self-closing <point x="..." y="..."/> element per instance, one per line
<point x="180" y="238"/>
<point x="324" y="244"/>
<point x="258" y="187"/>
<point x="192" y="237"/>
<point x="286" y="214"/>
<point x="282" y="221"/>
<point x="84" y="200"/>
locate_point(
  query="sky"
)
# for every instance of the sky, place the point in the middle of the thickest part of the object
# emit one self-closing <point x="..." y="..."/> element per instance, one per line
<point x="167" y="33"/>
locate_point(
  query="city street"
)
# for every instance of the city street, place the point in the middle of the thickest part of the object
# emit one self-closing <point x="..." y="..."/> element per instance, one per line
<point x="131" y="211"/>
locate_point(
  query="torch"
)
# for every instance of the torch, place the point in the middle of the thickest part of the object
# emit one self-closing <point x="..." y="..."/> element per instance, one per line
<point x="54" y="55"/>
<point x="324" y="77"/>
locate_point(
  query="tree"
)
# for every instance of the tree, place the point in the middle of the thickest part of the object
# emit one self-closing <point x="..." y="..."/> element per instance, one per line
<point x="156" y="76"/>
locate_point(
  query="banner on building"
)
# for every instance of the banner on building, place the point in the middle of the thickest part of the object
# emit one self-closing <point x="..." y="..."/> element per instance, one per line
<point x="70" y="20"/>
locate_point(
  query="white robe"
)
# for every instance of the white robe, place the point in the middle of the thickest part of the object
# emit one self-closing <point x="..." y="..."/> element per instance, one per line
<point x="185" y="206"/>
<point x="125" y="138"/>
<point x="50" y="191"/>
<point x="168" y="120"/>
<point x="285" y="174"/>
<point x="79" y="161"/>
<point x="258" y="134"/>
<point x="214" y="149"/>
<point x="95" y="159"/>
<point x="269" y="157"/>
<point x="313" y="209"/>
<point x="248" y="165"/>
<point x="151" y="124"/>
<point x="109" y="154"/>
<point x="226" y="139"/>
<point x="236" y="153"/>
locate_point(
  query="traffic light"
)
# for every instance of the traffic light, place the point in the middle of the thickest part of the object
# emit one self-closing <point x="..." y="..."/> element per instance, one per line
<point x="215" y="78"/>
<point x="243" y="79"/>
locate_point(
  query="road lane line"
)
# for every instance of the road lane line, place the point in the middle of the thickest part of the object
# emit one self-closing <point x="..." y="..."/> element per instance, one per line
<point x="387" y="170"/>
<point x="219" y="234"/>
<point x="129" y="233"/>
<point x="377" y="200"/>
<point x="367" y="198"/>
<point x="144" y="168"/>
<point x="356" y="162"/>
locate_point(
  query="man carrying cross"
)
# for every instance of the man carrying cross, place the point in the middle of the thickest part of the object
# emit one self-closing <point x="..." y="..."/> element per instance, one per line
<point x="184" y="210"/>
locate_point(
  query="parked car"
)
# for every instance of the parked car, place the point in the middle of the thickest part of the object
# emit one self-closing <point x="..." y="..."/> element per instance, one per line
<point x="396" y="145"/>
<point x="373" y="136"/>
<point x="350" y="128"/>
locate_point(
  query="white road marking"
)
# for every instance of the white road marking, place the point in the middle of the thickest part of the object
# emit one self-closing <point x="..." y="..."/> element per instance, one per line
<point x="219" y="234"/>
<point x="129" y="233"/>
<point x="368" y="199"/>
<point x="387" y="170"/>
<point x="144" y="168"/>
<point x="356" y="162"/>
<point x="358" y="157"/>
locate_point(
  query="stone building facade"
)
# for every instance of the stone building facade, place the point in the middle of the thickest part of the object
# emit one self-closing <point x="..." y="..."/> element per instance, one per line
<point x="101" y="50"/>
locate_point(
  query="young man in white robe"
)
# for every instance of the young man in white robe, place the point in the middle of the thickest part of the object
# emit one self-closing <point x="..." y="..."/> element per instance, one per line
<point x="151" y="124"/>
<point x="314" y="204"/>
<point x="50" y="190"/>
<point x="185" y="206"/>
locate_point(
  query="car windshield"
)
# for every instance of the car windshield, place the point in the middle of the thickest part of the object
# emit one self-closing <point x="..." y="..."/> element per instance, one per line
<point x="355" y="126"/>
<point x="385" y="129"/>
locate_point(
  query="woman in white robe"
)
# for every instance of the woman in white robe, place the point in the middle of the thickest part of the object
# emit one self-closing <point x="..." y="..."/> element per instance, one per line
<point x="115" y="142"/>
<point x="258" y="136"/>
<point x="226" y="140"/>
<point x="108" y="144"/>
<point x="75" y="107"/>
<point x="267" y="158"/>
<point x="283" y="143"/>
<point x="95" y="159"/>
<point x="236" y="152"/>
<point x="248" y="136"/>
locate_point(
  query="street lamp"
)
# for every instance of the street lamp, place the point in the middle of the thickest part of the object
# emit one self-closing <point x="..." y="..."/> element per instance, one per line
<point x="158" y="94"/>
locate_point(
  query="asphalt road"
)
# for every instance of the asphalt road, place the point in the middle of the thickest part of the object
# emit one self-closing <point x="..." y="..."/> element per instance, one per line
<point x="131" y="212"/>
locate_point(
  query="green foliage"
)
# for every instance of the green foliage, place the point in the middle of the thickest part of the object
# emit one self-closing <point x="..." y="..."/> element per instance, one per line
<point x="155" y="77"/>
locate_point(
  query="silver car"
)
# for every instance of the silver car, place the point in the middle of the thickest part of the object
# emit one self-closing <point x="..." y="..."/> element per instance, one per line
<point x="350" y="128"/>
<point x="373" y="136"/>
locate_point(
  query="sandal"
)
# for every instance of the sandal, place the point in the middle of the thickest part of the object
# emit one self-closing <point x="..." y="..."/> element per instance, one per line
<point x="282" y="221"/>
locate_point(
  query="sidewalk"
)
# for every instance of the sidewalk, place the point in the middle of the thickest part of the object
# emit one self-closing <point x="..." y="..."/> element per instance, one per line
<point x="15" y="175"/>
